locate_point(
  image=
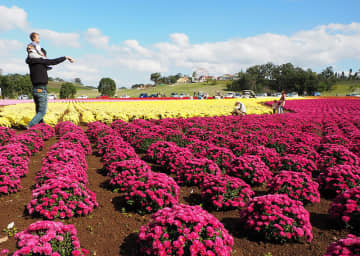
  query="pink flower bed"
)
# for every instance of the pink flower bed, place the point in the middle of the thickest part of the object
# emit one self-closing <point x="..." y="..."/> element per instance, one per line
<point x="298" y="186"/>
<point x="346" y="208"/>
<point x="349" y="246"/>
<point x="46" y="130"/>
<point x="78" y="138"/>
<point x="151" y="192"/>
<point x="184" y="230"/>
<point x="124" y="173"/>
<point x="223" y="157"/>
<point x="277" y="218"/>
<point x="191" y="172"/>
<point x="250" y="169"/>
<point x="297" y="163"/>
<point x="61" y="198"/>
<point x="6" y="134"/>
<point x="65" y="156"/>
<point x="49" y="238"/>
<point x="223" y="192"/>
<point x="268" y="155"/>
<point x="118" y="154"/>
<point x="337" y="179"/>
<point x="9" y="179"/>
<point x="332" y="154"/>
<point x="31" y="139"/>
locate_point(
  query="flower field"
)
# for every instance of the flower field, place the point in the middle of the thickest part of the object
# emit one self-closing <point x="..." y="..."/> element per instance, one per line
<point x="284" y="184"/>
<point x="87" y="111"/>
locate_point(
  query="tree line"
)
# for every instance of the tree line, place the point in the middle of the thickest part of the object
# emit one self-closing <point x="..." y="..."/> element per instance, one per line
<point x="270" y="77"/>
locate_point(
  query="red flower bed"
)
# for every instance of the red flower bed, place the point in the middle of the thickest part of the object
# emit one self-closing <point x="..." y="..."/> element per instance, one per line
<point x="184" y="230"/>
<point x="250" y="169"/>
<point x="298" y="186"/>
<point x="297" y="163"/>
<point x="151" y="192"/>
<point x="347" y="246"/>
<point x="332" y="154"/>
<point x="346" y="208"/>
<point x="6" y="134"/>
<point x="223" y="192"/>
<point x="277" y="218"/>
<point x="337" y="179"/>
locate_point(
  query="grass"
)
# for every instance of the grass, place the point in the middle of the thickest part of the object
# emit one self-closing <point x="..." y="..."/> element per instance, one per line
<point x="54" y="87"/>
<point x="188" y="89"/>
<point x="342" y="88"/>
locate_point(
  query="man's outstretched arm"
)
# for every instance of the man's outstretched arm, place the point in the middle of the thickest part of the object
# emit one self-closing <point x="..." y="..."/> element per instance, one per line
<point x="48" y="62"/>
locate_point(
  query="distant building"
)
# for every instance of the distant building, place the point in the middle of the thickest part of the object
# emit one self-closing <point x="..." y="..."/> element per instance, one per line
<point x="183" y="80"/>
<point x="225" y="77"/>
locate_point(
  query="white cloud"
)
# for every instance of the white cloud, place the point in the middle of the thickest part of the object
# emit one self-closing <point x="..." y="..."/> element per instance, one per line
<point x="13" y="17"/>
<point x="60" y="39"/>
<point x="9" y="46"/>
<point x="95" y="37"/>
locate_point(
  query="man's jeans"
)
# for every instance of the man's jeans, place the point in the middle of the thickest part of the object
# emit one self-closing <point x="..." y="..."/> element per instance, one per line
<point x="40" y="99"/>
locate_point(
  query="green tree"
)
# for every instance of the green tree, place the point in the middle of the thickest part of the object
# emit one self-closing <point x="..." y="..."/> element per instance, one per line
<point x="155" y="77"/>
<point x="246" y="82"/>
<point x="13" y="85"/>
<point x="67" y="91"/>
<point x="77" y="80"/>
<point x="107" y="87"/>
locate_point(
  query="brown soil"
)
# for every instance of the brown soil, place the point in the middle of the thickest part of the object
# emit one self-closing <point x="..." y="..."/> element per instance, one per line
<point x="110" y="231"/>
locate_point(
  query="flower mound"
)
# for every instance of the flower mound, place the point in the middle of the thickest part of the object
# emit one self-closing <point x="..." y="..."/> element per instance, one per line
<point x="9" y="180"/>
<point x="348" y="246"/>
<point x="151" y="192"/>
<point x="224" y="192"/>
<point x="31" y="140"/>
<point x="278" y="218"/>
<point x="125" y="172"/>
<point x="46" y="130"/>
<point x="332" y="154"/>
<point x="297" y="163"/>
<point x="184" y="230"/>
<point x="250" y="169"/>
<point x="5" y="135"/>
<point x="298" y="186"/>
<point x="78" y="138"/>
<point x="65" y="156"/>
<point x="337" y="179"/>
<point x="346" y="207"/>
<point x="63" y="198"/>
<point x="118" y="155"/>
<point x="192" y="172"/>
<point x="49" y="238"/>
<point x="223" y="157"/>
<point x="268" y="155"/>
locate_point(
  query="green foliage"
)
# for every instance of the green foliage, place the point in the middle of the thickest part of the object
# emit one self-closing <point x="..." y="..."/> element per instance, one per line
<point x="13" y="85"/>
<point x="155" y="77"/>
<point x="67" y="91"/>
<point x="245" y="82"/>
<point x="107" y="87"/>
<point x="77" y="80"/>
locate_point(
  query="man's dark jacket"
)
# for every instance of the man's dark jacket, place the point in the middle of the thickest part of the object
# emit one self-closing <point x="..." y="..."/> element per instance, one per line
<point x="38" y="69"/>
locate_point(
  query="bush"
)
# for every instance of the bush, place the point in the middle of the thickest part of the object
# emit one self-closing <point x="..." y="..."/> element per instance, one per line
<point x="268" y="155"/>
<point x="346" y="208"/>
<point x="277" y="218"/>
<point x="66" y="156"/>
<point x="118" y="155"/>
<point x="332" y="154"/>
<point x="151" y="192"/>
<point x="298" y="186"/>
<point x="192" y="172"/>
<point x="31" y="140"/>
<point x="223" y="157"/>
<point x="95" y="129"/>
<point x="250" y="169"/>
<point x="107" y="142"/>
<point x="67" y="91"/>
<point x="72" y="170"/>
<point x="46" y="130"/>
<point x="297" y="163"/>
<point x="304" y="150"/>
<point x="6" y="134"/>
<point x="17" y="149"/>
<point x="184" y="230"/>
<point x="348" y="246"/>
<point x="64" y="127"/>
<point x="61" y="198"/>
<point x="223" y="192"/>
<point x="337" y="179"/>
<point x="78" y="138"/>
<point x="9" y="179"/>
<point x="49" y="238"/>
<point x="14" y="161"/>
<point x="125" y="172"/>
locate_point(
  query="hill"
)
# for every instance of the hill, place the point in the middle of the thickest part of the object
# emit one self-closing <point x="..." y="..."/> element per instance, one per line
<point x="54" y="87"/>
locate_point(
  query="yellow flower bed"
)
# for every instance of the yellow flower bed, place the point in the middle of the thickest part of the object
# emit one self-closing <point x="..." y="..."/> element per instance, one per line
<point x="85" y="112"/>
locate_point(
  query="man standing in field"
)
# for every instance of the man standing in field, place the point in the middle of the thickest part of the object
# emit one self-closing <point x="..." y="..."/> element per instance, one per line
<point x="39" y="78"/>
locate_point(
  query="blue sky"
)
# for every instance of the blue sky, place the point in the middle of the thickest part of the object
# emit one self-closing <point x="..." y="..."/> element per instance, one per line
<point x="127" y="40"/>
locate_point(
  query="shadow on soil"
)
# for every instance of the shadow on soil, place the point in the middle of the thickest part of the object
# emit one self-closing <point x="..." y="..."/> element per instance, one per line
<point x="129" y="246"/>
<point x="323" y="221"/>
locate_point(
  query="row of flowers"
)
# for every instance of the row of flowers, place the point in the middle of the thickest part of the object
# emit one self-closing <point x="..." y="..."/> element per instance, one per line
<point x="15" y="152"/>
<point x="60" y="190"/>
